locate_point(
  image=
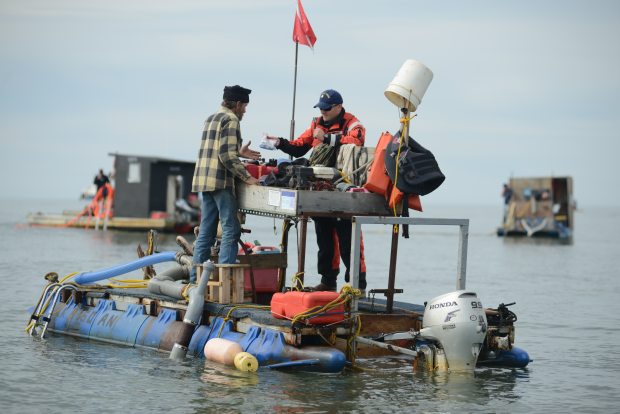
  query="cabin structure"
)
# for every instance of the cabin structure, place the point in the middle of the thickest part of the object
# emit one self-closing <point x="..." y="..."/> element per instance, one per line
<point x="145" y="186"/>
<point x="539" y="207"/>
<point x="149" y="193"/>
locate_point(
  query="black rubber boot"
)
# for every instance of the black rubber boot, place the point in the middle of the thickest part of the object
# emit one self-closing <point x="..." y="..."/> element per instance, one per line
<point x="327" y="284"/>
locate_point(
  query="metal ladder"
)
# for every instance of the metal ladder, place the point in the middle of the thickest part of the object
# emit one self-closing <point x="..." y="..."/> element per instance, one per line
<point x="45" y="307"/>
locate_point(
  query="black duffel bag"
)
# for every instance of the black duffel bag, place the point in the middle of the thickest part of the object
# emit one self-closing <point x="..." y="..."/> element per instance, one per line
<point x="418" y="171"/>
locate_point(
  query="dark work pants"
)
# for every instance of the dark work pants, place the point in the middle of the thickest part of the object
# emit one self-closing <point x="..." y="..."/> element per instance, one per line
<point x="325" y="227"/>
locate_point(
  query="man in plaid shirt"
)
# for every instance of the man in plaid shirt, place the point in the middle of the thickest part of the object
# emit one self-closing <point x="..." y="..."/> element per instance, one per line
<point x="217" y="168"/>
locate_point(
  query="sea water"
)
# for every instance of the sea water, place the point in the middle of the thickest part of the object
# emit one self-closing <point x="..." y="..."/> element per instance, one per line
<point x="566" y="302"/>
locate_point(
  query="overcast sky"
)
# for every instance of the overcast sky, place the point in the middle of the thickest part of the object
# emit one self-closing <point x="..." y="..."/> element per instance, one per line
<point x="522" y="88"/>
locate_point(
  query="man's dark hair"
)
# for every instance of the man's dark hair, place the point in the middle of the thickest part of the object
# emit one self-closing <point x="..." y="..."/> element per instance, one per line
<point x="229" y="104"/>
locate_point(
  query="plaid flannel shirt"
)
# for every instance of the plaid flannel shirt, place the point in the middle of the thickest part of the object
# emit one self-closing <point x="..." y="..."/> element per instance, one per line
<point x="218" y="159"/>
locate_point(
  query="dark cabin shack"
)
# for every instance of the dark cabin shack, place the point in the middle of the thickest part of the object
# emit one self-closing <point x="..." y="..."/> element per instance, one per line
<point x="144" y="185"/>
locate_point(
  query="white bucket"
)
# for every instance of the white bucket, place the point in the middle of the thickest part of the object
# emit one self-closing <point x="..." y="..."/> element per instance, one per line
<point x="409" y="85"/>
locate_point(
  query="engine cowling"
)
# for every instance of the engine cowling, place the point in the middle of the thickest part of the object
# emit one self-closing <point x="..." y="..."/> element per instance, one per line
<point x="457" y="321"/>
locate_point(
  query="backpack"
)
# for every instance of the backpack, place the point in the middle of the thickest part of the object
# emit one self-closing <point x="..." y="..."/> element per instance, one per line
<point x="418" y="171"/>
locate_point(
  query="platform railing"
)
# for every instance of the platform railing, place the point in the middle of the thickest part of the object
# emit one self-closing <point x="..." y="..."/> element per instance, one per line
<point x="358" y="221"/>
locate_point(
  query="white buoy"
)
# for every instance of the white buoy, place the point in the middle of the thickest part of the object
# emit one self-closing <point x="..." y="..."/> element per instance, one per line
<point x="222" y="350"/>
<point x="409" y="85"/>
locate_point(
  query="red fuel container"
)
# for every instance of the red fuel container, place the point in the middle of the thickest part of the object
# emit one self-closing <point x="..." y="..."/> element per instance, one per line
<point x="265" y="280"/>
<point x="290" y="304"/>
<point x="258" y="170"/>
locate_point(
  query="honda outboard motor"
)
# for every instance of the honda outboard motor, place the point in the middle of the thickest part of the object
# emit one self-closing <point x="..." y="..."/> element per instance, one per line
<point x="458" y="322"/>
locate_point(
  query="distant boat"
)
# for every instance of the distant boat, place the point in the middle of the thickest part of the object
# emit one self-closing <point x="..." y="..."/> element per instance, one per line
<point x="148" y="193"/>
<point x="539" y="207"/>
<point x="89" y="192"/>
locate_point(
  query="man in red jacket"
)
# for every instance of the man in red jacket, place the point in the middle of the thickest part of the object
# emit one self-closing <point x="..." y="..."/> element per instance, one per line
<point x="326" y="133"/>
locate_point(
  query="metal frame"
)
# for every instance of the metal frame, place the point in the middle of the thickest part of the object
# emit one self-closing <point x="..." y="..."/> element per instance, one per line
<point x="300" y="205"/>
<point x="358" y="221"/>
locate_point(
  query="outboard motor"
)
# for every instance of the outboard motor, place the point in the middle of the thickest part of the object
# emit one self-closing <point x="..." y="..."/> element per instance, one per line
<point x="456" y="321"/>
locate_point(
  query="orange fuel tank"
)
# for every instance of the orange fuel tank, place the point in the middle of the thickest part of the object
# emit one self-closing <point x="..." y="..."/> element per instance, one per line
<point x="289" y="304"/>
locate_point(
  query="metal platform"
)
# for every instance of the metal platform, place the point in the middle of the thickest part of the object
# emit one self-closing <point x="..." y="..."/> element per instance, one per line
<point x="289" y="203"/>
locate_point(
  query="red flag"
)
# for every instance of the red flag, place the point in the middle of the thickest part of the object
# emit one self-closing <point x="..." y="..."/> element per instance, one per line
<point x="302" y="31"/>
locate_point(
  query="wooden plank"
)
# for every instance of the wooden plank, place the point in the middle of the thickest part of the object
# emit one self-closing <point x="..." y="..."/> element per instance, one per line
<point x="264" y="261"/>
<point x="375" y="324"/>
<point x="237" y="285"/>
<point x="228" y="288"/>
<point x="127" y="223"/>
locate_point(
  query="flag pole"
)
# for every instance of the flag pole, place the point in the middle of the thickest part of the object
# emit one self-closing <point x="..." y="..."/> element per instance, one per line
<point x="292" y="132"/>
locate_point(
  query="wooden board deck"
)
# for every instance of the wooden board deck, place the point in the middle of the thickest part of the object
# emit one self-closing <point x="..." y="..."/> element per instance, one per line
<point x="119" y="223"/>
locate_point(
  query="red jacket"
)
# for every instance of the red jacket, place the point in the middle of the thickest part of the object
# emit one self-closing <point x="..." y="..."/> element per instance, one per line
<point x="345" y="129"/>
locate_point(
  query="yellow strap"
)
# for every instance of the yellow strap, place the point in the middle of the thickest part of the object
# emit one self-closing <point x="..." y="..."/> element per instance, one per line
<point x="297" y="281"/>
<point x="68" y="276"/>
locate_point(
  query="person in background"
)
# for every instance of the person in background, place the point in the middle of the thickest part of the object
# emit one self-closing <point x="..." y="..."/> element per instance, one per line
<point x="324" y="136"/>
<point x="101" y="180"/>
<point x="507" y="193"/>
<point x="217" y="168"/>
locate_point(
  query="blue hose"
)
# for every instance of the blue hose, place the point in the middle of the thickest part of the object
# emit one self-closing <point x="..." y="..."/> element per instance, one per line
<point x="91" y="277"/>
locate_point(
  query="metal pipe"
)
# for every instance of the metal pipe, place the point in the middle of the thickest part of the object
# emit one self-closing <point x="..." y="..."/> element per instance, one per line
<point x="167" y="288"/>
<point x="174" y="274"/>
<point x="392" y="271"/>
<point x="301" y="262"/>
<point x="193" y="312"/>
<point x="197" y="295"/>
<point x="184" y="260"/>
<point x="284" y="245"/>
<point x="462" y="259"/>
<point x="390" y="347"/>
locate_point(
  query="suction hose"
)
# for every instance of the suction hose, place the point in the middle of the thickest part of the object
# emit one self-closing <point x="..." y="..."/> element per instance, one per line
<point x="91" y="277"/>
<point x="193" y="313"/>
<point x="167" y="283"/>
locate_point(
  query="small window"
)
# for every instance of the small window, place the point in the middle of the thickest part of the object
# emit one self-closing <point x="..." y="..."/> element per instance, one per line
<point x="134" y="173"/>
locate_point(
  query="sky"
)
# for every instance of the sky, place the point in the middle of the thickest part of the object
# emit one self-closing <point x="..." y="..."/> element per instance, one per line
<point x="520" y="88"/>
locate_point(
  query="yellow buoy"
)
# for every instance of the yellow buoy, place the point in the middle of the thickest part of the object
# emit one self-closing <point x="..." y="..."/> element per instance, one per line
<point x="245" y="361"/>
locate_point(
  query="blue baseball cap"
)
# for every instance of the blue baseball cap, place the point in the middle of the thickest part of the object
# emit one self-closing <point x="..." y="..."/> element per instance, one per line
<point x="328" y="99"/>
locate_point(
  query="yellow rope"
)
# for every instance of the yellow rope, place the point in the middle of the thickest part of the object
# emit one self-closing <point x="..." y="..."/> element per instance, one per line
<point x="126" y="286"/>
<point x="127" y="283"/>
<point x="184" y="292"/>
<point x="150" y="246"/>
<point x="343" y="298"/>
<point x="297" y="281"/>
<point x="345" y="178"/>
<point x="351" y="337"/>
<point x="67" y="277"/>
<point x="405" y="120"/>
<point x="227" y="317"/>
<point x="129" y="280"/>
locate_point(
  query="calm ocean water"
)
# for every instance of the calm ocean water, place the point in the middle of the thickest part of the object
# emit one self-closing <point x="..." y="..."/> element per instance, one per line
<point x="565" y="299"/>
